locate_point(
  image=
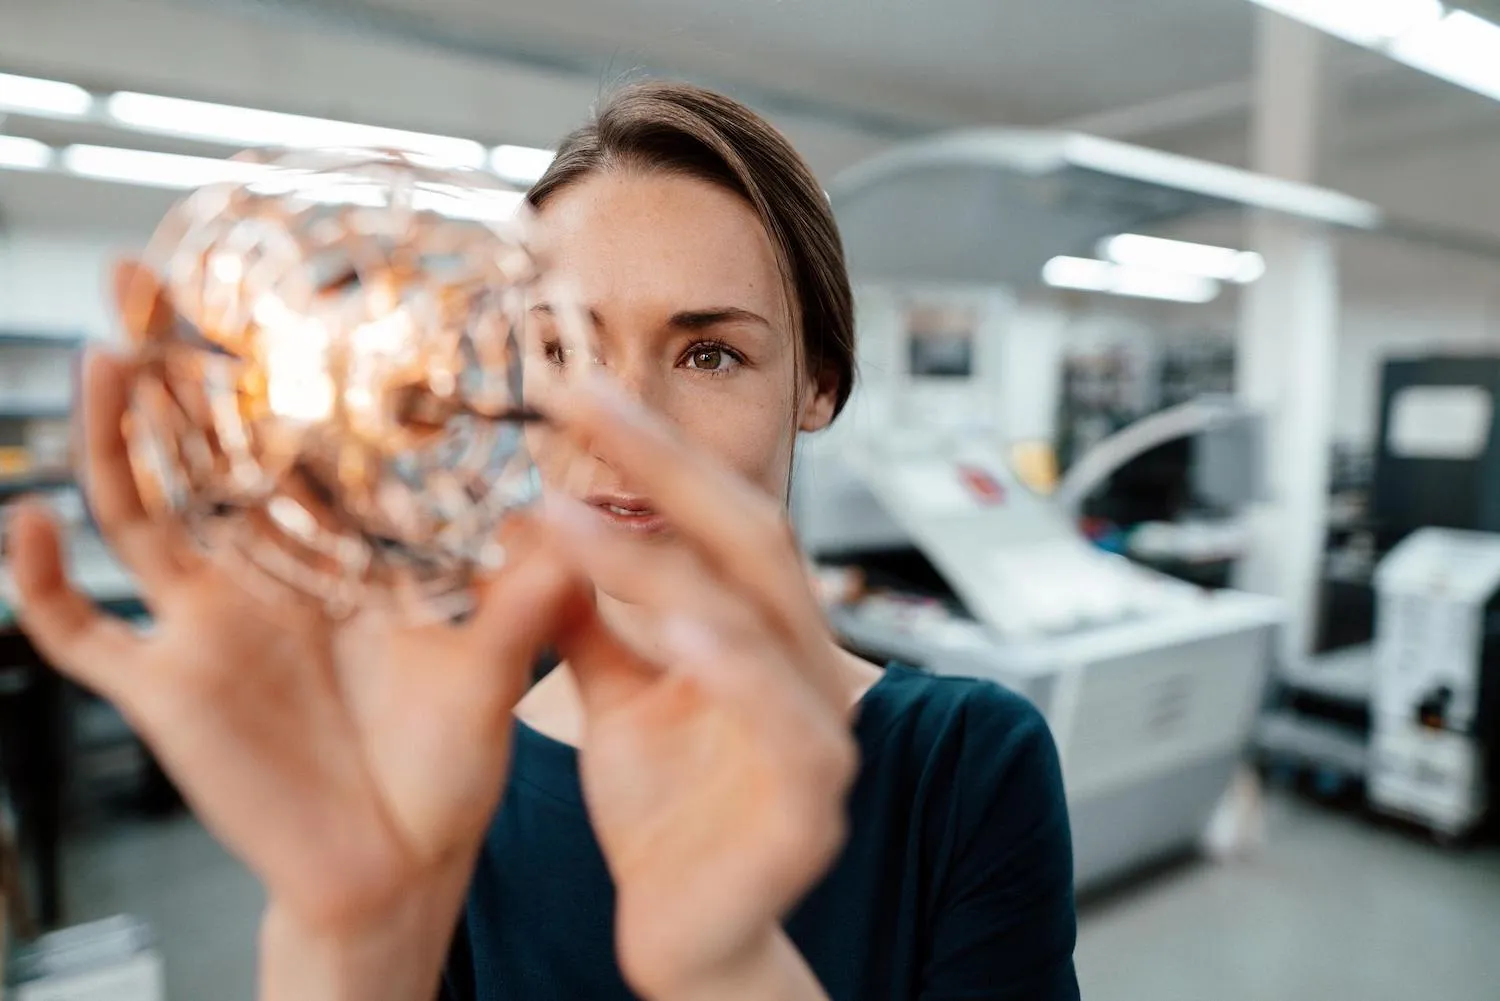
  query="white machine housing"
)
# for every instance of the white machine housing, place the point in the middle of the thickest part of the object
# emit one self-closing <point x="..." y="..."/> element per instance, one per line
<point x="1151" y="686"/>
<point x="1433" y="592"/>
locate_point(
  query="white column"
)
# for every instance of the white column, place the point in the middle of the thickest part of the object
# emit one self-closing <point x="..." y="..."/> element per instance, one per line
<point x="1286" y="355"/>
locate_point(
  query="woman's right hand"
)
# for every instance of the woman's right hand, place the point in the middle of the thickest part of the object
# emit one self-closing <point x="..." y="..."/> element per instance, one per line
<point x="345" y="762"/>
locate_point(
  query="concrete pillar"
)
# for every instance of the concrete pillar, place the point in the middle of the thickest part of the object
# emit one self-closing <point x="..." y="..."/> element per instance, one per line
<point x="1289" y="326"/>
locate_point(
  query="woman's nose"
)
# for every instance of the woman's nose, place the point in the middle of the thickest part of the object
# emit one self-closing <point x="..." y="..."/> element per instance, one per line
<point x="638" y="376"/>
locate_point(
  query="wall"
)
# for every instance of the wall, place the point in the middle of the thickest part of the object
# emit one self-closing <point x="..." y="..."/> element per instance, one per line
<point x="52" y="284"/>
<point x="1374" y="330"/>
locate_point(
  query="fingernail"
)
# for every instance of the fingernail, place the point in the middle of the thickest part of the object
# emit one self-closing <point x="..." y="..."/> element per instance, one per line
<point x="688" y="638"/>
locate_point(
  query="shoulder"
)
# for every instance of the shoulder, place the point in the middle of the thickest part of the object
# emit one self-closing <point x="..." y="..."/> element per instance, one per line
<point x="979" y="724"/>
<point x="978" y="759"/>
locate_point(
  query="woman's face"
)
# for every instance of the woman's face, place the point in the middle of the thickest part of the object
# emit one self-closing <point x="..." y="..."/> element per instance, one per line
<point x="690" y="316"/>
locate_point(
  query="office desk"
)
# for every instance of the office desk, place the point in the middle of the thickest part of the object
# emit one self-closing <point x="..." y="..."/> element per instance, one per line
<point x="34" y="723"/>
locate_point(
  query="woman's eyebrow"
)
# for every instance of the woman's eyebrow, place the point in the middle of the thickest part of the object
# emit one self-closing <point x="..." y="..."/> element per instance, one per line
<point x="687" y="319"/>
<point x="702" y="319"/>
<point x="545" y="309"/>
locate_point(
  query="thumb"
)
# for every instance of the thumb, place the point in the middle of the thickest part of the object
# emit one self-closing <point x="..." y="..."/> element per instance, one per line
<point x="529" y="602"/>
<point x="145" y="311"/>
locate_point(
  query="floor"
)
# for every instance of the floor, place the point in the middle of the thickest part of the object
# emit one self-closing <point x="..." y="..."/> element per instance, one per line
<point x="1333" y="909"/>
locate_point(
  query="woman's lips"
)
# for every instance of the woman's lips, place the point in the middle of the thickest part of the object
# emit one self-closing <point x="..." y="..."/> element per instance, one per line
<point x="628" y="515"/>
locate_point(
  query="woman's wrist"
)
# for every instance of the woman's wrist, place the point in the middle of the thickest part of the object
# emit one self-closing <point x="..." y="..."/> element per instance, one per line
<point x="770" y="970"/>
<point x="394" y="955"/>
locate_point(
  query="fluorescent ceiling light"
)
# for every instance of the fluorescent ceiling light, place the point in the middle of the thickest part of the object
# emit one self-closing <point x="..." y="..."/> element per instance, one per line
<point x="17" y="153"/>
<point x="1363" y="22"/>
<point x="1157" y="254"/>
<point x="1458" y="46"/>
<point x="521" y="164"/>
<point x="1105" y="276"/>
<point x="252" y="127"/>
<point x="27" y="95"/>
<point x="158" y="170"/>
<point x="1461" y="48"/>
<point x="479" y="205"/>
<point x="171" y="170"/>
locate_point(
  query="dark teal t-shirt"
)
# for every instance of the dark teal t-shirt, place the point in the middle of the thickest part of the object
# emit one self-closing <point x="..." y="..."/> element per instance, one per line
<point x="956" y="883"/>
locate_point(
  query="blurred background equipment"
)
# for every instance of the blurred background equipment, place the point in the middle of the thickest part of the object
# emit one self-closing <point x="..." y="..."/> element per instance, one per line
<point x="1435" y="746"/>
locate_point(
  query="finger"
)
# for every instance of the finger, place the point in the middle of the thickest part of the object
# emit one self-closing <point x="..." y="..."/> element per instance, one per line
<point x="678" y="585"/>
<point x="697" y="495"/>
<point x="795" y="725"/>
<point x="146" y="314"/>
<point x="152" y="548"/>
<point x="536" y="596"/>
<point x="709" y="635"/>
<point x="92" y="648"/>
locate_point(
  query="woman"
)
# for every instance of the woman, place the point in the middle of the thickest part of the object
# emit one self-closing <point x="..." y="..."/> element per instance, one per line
<point x="707" y="799"/>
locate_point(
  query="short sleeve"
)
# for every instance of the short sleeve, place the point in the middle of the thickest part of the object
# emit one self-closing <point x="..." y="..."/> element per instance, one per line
<point x="1004" y="924"/>
<point x="458" y="974"/>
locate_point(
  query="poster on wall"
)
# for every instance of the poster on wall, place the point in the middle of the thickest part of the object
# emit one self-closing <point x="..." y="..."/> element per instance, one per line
<point x="940" y="340"/>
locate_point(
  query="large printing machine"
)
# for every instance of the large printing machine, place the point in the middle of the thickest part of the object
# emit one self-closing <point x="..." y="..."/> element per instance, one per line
<point x="1150" y="685"/>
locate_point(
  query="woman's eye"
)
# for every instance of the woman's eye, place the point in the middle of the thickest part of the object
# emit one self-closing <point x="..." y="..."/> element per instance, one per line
<point x="711" y="358"/>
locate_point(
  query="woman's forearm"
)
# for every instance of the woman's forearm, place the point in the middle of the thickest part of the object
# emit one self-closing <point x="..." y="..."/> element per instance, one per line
<point x="396" y="955"/>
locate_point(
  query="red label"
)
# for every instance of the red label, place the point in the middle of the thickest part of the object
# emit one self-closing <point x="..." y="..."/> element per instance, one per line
<point x="982" y="485"/>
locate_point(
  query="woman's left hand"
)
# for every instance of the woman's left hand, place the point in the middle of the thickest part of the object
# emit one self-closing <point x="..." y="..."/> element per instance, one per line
<point x="716" y="766"/>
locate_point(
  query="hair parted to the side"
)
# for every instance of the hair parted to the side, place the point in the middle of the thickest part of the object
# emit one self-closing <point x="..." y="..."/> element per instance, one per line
<point x="679" y="128"/>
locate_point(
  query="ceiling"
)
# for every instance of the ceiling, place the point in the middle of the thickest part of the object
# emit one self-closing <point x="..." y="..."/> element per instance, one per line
<point x="844" y="78"/>
<point x="1021" y="62"/>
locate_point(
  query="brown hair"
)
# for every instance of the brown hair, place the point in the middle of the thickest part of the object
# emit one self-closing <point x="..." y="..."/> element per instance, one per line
<point x="683" y="129"/>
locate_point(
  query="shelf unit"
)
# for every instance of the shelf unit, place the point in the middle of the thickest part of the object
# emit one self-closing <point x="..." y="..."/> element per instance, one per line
<point x="38" y="339"/>
<point x="36" y="388"/>
<point x="13" y="486"/>
<point x="34" y="412"/>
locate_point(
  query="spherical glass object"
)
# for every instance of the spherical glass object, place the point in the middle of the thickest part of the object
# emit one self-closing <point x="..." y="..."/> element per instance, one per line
<point x="330" y="388"/>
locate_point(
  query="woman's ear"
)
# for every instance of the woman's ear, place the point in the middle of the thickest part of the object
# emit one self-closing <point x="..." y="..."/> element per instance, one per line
<point x="821" y="401"/>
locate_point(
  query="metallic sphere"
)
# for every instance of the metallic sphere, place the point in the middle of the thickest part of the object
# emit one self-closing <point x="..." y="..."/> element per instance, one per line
<point x="329" y="388"/>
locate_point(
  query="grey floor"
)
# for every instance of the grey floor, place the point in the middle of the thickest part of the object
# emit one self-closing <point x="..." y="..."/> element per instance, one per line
<point x="1333" y="909"/>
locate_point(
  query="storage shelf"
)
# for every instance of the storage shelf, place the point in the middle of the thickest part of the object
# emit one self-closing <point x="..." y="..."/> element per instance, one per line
<point x="1346" y="675"/>
<point x="38" y="412"/>
<point x="1314" y="742"/>
<point x="35" y="339"/>
<point x="25" y="483"/>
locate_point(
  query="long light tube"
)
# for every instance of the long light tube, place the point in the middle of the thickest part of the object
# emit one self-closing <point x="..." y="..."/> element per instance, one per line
<point x="238" y="126"/>
<point x="19" y="153"/>
<point x="1116" y="279"/>
<point x="1455" y="45"/>
<point x="1461" y="48"/>
<point x="522" y="165"/>
<point x="52" y="98"/>
<point x="152" y="169"/>
<point x="1363" y="22"/>
<point x="1158" y="254"/>
<point x="177" y="172"/>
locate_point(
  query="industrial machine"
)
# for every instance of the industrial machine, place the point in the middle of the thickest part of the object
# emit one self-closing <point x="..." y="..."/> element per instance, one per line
<point x="1436" y="695"/>
<point x="1414" y="715"/>
<point x="1151" y="686"/>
